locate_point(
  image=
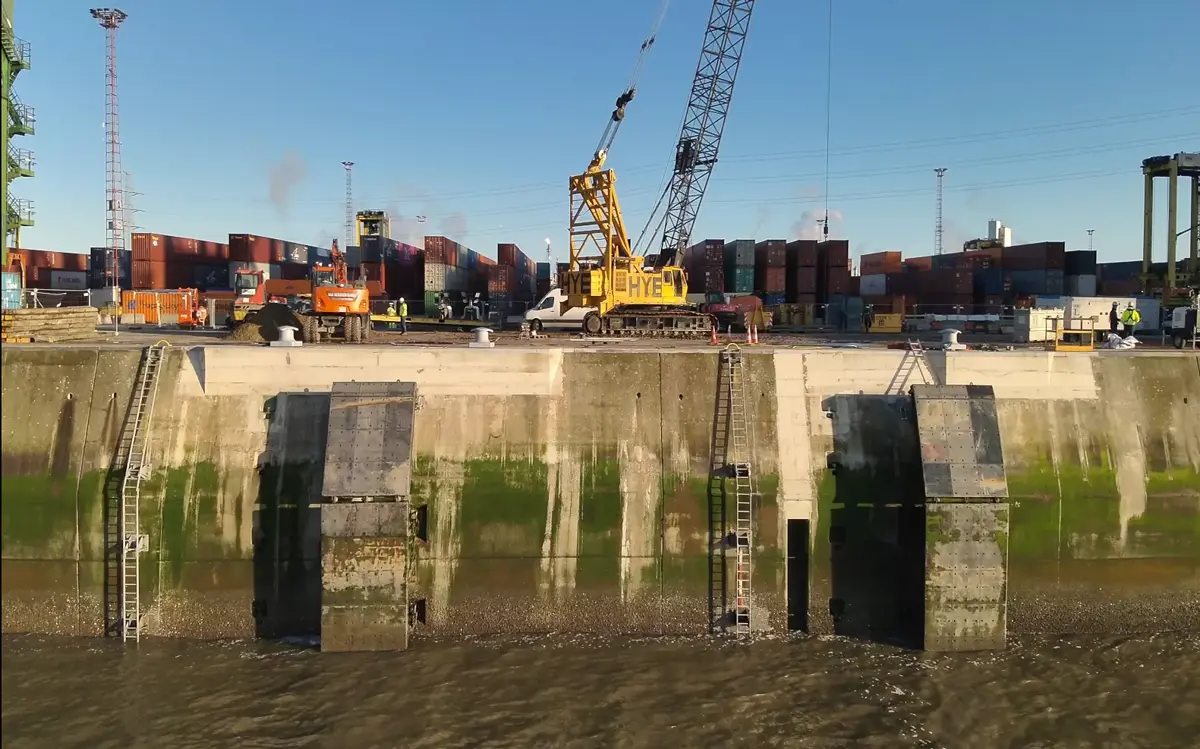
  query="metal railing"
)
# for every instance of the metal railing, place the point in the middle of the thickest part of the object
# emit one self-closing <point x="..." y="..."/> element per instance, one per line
<point x="21" y="209"/>
<point x="18" y="49"/>
<point x="21" y="159"/>
<point x="23" y="115"/>
<point x="52" y="298"/>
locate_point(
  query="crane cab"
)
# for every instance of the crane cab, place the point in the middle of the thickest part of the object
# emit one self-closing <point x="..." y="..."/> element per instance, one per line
<point x="371" y="224"/>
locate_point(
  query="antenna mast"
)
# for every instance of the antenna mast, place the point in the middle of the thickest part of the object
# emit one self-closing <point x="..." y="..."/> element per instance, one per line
<point x="1090" y="233"/>
<point x="938" y="233"/>
<point x="110" y="20"/>
<point x="349" y="166"/>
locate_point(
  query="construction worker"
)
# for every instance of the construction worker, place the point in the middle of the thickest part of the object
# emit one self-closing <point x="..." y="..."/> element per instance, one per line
<point x="868" y="316"/>
<point x="1114" y="318"/>
<point x="403" y="315"/>
<point x="391" y="312"/>
<point x="1129" y="320"/>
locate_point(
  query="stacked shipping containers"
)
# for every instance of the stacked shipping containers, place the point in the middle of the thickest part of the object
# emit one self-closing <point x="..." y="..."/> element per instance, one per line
<point x="44" y="269"/>
<point x="1079" y="273"/>
<point x="1035" y="268"/>
<point x="704" y="264"/>
<point x="445" y="269"/>
<point x="833" y="268"/>
<point x="739" y="266"/>
<point x="163" y="261"/>
<point x="801" y="270"/>
<point x="513" y="279"/>
<point x="770" y="271"/>
<point x="100" y="272"/>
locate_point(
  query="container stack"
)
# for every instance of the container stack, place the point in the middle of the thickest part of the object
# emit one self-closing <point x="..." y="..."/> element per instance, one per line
<point x="704" y="264"/>
<point x="874" y="269"/>
<point x="61" y="271"/>
<point x="1079" y="273"/>
<point x="100" y="270"/>
<point x="163" y="261"/>
<point x="543" y="280"/>
<point x="1034" y="269"/>
<point x="249" y="252"/>
<point x="10" y="290"/>
<point x="739" y="266"/>
<point x="770" y="271"/>
<point x="801" y="271"/>
<point x="445" y="270"/>
<point x="833" y="269"/>
<point x="513" y="279"/>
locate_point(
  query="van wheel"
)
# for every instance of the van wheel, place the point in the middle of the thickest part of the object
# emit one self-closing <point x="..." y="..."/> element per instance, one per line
<point x="592" y="324"/>
<point x="1177" y="339"/>
<point x="535" y="326"/>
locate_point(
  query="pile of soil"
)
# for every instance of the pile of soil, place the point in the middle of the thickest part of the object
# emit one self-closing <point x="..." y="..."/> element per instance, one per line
<point x="264" y="324"/>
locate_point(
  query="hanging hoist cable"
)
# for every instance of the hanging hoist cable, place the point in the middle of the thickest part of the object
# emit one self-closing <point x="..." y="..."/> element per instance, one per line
<point x="828" y="117"/>
<point x="618" y="114"/>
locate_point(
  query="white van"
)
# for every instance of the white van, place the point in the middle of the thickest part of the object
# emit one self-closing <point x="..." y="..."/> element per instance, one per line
<point x="548" y="313"/>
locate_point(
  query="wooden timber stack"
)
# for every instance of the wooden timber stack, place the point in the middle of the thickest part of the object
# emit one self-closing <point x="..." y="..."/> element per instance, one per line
<point x="48" y="325"/>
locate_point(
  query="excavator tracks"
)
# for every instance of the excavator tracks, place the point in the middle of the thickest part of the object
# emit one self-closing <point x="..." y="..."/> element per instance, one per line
<point x="650" y="322"/>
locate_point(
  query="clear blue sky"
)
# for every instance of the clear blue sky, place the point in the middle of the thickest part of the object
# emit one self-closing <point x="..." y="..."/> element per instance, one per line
<point x="473" y="114"/>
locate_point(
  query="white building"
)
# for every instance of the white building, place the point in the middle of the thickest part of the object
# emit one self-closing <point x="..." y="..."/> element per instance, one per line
<point x="997" y="230"/>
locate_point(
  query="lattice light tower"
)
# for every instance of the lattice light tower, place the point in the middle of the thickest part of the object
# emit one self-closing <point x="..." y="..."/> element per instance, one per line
<point x="349" y="167"/>
<point x="938" y="233"/>
<point x="110" y="20"/>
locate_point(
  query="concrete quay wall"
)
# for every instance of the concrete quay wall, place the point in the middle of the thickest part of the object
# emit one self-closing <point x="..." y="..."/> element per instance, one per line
<point x="568" y="490"/>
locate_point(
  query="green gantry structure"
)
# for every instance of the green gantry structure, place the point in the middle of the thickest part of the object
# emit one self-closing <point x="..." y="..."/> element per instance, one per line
<point x="16" y="119"/>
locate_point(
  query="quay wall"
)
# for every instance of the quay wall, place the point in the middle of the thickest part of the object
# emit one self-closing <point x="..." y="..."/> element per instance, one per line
<point x="568" y="489"/>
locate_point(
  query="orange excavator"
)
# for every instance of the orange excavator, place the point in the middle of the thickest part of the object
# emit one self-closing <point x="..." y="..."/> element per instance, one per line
<point x="338" y="308"/>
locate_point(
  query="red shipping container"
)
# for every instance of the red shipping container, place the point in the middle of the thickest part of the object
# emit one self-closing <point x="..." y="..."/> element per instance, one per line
<point x="249" y="248"/>
<point x="500" y="279"/>
<point x="75" y="261"/>
<point x="771" y="253"/>
<point x="148" y="274"/>
<point x="834" y="253"/>
<point x="804" y="281"/>
<point x="1038" y="256"/>
<point x="855" y="286"/>
<point x="918" y="263"/>
<point x="801" y="253"/>
<point x="880" y="262"/>
<point x="773" y="281"/>
<point x="837" y="280"/>
<point x="41" y="259"/>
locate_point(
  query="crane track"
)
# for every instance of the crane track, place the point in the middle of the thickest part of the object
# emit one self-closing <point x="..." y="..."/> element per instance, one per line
<point x="651" y="322"/>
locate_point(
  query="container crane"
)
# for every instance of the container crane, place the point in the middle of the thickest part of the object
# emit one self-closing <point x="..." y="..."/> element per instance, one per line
<point x="626" y="292"/>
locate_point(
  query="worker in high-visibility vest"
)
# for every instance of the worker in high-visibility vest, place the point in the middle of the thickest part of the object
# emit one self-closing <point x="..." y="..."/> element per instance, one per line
<point x="403" y="315"/>
<point x="1129" y="320"/>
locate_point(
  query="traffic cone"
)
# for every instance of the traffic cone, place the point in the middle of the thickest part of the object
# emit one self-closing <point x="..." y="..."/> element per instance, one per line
<point x="754" y="334"/>
<point x="712" y="339"/>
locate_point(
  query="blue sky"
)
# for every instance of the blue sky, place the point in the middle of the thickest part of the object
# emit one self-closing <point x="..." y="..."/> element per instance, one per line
<point x="235" y="117"/>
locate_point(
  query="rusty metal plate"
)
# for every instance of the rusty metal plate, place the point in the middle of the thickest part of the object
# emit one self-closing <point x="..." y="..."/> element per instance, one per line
<point x="368" y="448"/>
<point x="959" y="432"/>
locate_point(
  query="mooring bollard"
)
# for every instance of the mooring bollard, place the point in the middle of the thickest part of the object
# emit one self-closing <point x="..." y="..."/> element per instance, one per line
<point x="482" y="339"/>
<point x="287" y="337"/>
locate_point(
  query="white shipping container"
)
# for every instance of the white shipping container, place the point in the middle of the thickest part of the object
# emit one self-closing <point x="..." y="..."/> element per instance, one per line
<point x="435" y="277"/>
<point x="69" y="280"/>
<point x="1032" y="325"/>
<point x="874" y="284"/>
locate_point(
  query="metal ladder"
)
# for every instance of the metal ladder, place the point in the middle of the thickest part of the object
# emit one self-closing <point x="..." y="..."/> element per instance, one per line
<point x="914" y="358"/>
<point x="141" y="409"/>
<point x="743" y="486"/>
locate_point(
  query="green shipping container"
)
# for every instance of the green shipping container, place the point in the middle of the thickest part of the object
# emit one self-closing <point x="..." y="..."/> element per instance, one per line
<point x="741" y="281"/>
<point x="430" y="309"/>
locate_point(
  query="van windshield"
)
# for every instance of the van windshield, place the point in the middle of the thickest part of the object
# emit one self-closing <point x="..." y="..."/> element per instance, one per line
<point x="547" y="303"/>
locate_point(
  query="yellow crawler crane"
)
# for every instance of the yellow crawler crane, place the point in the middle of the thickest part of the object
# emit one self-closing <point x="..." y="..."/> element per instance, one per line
<point x="627" y="293"/>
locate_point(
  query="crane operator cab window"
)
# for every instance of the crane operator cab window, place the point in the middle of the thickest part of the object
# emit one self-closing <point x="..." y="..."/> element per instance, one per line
<point x="674" y="278"/>
<point x="323" y="278"/>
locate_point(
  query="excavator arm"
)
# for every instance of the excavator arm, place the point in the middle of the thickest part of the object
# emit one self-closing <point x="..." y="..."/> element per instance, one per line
<point x="703" y="124"/>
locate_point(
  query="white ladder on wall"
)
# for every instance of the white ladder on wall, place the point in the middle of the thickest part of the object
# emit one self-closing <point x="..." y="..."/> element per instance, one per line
<point x="141" y="409"/>
<point x="743" y="485"/>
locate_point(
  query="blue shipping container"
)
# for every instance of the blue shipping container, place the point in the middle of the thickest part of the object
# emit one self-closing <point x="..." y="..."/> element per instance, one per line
<point x="319" y="255"/>
<point x="989" y="281"/>
<point x="10" y="295"/>
<point x="773" y="300"/>
<point x="543" y="271"/>
<point x="1037" y="281"/>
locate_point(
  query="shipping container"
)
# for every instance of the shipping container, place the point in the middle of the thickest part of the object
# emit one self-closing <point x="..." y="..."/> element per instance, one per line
<point x="501" y="279"/>
<point x="771" y="280"/>
<point x="373" y="270"/>
<point x="740" y="280"/>
<point x="990" y="281"/>
<point x="320" y="255"/>
<point x="739" y="254"/>
<point x="904" y="282"/>
<point x="834" y="253"/>
<point x="801" y="253"/>
<point x="801" y="281"/>
<point x="805" y="299"/>
<point x="1036" y="256"/>
<point x="874" y="284"/>
<point x="353" y="256"/>
<point x="436" y="275"/>
<point x="293" y="271"/>
<point x="295" y="254"/>
<point x="706" y="280"/>
<point x="148" y="274"/>
<point x="771" y="253"/>
<point x="837" y="280"/>
<point x="952" y="283"/>
<point x="10" y="290"/>
<point x="707" y="253"/>
<point x="100" y="272"/>
<point x="69" y="280"/>
<point x="41" y="258"/>
<point x="250" y="248"/>
<point x="774" y="300"/>
<point x="1079" y="263"/>
<point x="543" y="271"/>
<point x="1079" y="285"/>
<point x="1039" y="281"/>
<point x="273" y="271"/>
<point x="880" y="263"/>
<point x="163" y="247"/>
<point x="157" y="307"/>
<point x="207" y="276"/>
<point x="919" y="263"/>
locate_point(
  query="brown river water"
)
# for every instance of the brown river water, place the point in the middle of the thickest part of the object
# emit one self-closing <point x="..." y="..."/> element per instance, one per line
<point x="1140" y="691"/>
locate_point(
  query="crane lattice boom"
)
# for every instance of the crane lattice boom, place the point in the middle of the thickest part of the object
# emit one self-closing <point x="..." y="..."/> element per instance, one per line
<point x="704" y="123"/>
